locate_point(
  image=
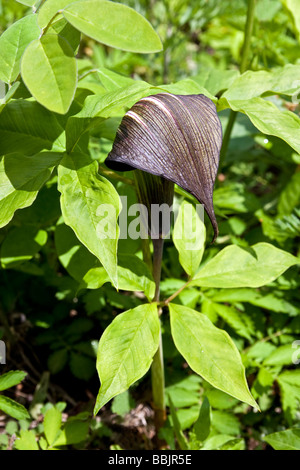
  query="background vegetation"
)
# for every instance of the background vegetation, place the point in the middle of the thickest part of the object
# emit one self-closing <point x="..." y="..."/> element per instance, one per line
<point x="51" y="325"/>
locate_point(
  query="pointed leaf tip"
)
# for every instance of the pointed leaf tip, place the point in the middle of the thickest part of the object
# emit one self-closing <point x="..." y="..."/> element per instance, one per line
<point x="177" y="137"/>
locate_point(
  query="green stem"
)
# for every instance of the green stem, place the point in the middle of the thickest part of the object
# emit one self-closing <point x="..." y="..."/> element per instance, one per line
<point x="157" y="368"/>
<point x="248" y="33"/>
<point x="243" y="67"/>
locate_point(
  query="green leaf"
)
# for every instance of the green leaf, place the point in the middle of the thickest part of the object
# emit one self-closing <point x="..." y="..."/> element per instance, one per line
<point x="289" y="384"/>
<point x="113" y="24"/>
<point x="90" y="206"/>
<point x="215" y="82"/>
<point x="182" y="441"/>
<point x="74" y="431"/>
<point x="66" y="30"/>
<point x="239" y="321"/>
<point x="57" y="360"/>
<point x="284" y="440"/>
<point x="122" y="404"/>
<point x="253" y="84"/>
<point x="202" y="425"/>
<point x="13" y="43"/>
<point x="187" y="86"/>
<point x="48" y="11"/>
<point x="133" y="275"/>
<point x="28" y="128"/>
<point x="125" y="351"/>
<point x="281" y="356"/>
<point x="293" y="7"/>
<point x="26" y="441"/>
<point x="189" y="237"/>
<point x="98" y="107"/>
<point x="235" y="266"/>
<point x="289" y="198"/>
<point x="112" y="80"/>
<point x="21" y="178"/>
<point x="11" y="378"/>
<point x="49" y="71"/>
<point x="275" y="301"/>
<point x="269" y="120"/>
<point x="21" y="244"/>
<point x="52" y="424"/>
<point x="12" y="408"/>
<point x="29" y="3"/>
<point x="75" y="257"/>
<point x="210" y="352"/>
<point x="235" y="197"/>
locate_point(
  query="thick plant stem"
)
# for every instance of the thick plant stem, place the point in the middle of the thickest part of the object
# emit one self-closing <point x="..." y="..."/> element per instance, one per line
<point x="157" y="368"/>
<point x="243" y="67"/>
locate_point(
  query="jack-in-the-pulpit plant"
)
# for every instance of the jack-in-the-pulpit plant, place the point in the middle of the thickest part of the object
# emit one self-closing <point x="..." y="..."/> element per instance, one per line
<point x="170" y="139"/>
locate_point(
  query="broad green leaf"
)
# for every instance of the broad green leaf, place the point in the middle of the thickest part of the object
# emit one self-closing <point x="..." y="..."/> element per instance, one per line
<point x="125" y="351"/>
<point x="112" y="80"/>
<point x="289" y="198"/>
<point x="294" y="8"/>
<point x="49" y="9"/>
<point x="122" y="404"/>
<point x="225" y="422"/>
<point x="187" y="86"/>
<point x="52" y="424"/>
<point x="289" y="384"/>
<point x="90" y="206"/>
<point x="11" y="378"/>
<point x="49" y="71"/>
<point x="283" y="355"/>
<point x="217" y="442"/>
<point x="269" y="120"/>
<point x="21" y="178"/>
<point x="234" y="444"/>
<point x="57" y="360"/>
<point x="21" y="244"/>
<point x="65" y="30"/>
<point x="210" y="352"/>
<point x="29" y="3"/>
<point x="74" y="431"/>
<point x="239" y="321"/>
<point x="234" y="198"/>
<point x="100" y="107"/>
<point x="289" y="439"/>
<point x="113" y="24"/>
<point x="28" y="128"/>
<point x="13" y="43"/>
<point x="189" y="237"/>
<point x="202" y="425"/>
<point x="27" y="440"/>
<point x="182" y="441"/>
<point x="253" y="84"/>
<point x="73" y="255"/>
<point x="12" y="408"/>
<point x="275" y="301"/>
<point x="186" y="392"/>
<point x="235" y="266"/>
<point x="133" y="275"/>
<point x="214" y="81"/>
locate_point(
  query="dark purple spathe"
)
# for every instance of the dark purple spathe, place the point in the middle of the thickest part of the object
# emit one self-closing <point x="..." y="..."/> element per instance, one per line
<point x="177" y="137"/>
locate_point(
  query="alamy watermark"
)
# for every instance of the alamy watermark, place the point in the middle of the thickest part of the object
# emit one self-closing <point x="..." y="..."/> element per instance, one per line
<point x="135" y="222"/>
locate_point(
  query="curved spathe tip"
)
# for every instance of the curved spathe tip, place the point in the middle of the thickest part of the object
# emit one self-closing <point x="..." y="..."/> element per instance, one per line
<point x="177" y="137"/>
